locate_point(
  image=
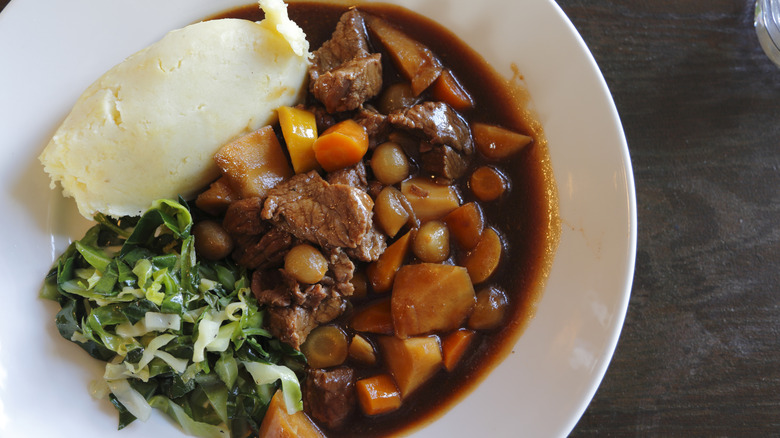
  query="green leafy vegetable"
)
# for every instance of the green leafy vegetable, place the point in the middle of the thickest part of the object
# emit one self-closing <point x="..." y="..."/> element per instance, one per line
<point x="177" y="334"/>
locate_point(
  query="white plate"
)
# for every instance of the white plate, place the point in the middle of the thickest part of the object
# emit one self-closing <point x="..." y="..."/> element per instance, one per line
<point x="51" y="50"/>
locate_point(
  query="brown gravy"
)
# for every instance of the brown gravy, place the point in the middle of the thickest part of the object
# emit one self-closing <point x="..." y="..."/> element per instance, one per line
<point x="526" y="216"/>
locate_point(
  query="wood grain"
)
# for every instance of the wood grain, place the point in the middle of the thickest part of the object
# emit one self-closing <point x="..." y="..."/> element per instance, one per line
<point x="700" y="105"/>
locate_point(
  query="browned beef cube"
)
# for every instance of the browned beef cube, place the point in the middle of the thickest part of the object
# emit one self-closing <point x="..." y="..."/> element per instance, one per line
<point x="354" y="176"/>
<point x="330" y="215"/>
<point x="344" y="73"/>
<point x="329" y="395"/>
<point x="443" y="161"/>
<point x="243" y="217"/>
<point x="437" y="123"/>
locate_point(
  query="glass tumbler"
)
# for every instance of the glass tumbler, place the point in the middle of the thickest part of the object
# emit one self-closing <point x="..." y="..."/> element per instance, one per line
<point x="767" y="23"/>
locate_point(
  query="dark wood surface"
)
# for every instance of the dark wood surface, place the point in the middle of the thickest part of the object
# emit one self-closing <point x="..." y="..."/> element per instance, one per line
<point x="700" y="103"/>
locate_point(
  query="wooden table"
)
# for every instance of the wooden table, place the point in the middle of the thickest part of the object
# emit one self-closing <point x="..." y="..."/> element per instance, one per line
<point x="700" y="104"/>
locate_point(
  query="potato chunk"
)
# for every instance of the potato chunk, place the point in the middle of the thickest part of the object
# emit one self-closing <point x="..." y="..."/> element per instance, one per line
<point x="430" y="297"/>
<point x="411" y="361"/>
<point x="254" y="163"/>
<point x="217" y="198"/>
<point x="429" y="200"/>
<point x="416" y="62"/>
<point x="390" y="210"/>
<point x="361" y="350"/>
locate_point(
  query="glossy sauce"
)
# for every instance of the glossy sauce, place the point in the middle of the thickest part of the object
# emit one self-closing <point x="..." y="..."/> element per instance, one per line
<point x="526" y="216"/>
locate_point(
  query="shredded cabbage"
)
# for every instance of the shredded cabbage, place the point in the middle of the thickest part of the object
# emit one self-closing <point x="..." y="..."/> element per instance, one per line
<point x="131" y="399"/>
<point x="265" y="374"/>
<point x="178" y="334"/>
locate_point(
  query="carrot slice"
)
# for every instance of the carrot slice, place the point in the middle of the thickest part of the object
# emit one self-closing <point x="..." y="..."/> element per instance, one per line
<point x="375" y="318"/>
<point x="483" y="260"/>
<point x="342" y="145"/>
<point x="487" y="183"/>
<point x="466" y="224"/>
<point x="449" y="90"/>
<point x="454" y="346"/>
<point x="381" y="273"/>
<point x="378" y="394"/>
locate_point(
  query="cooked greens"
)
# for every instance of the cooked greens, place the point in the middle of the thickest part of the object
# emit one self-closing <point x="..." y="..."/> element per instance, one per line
<point x="178" y="334"/>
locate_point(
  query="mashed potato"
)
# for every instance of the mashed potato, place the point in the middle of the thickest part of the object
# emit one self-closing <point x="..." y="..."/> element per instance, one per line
<point x="148" y="128"/>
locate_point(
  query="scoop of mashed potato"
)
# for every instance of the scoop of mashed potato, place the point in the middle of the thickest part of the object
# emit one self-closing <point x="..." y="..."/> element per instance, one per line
<point x="148" y="128"/>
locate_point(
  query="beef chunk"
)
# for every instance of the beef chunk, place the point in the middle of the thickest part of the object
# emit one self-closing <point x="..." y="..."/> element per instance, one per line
<point x="292" y="324"/>
<point x="375" y="124"/>
<point x="243" y="217"/>
<point x="329" y="395"/>
<point x="257" y="244"/>
<point x="348" y="86"/>
<point x="258" y="252"/>
<point x="340" y="272"/>
<point x="266" y="290"/>
<point x="348" y="41"/>
<point x="354" y="176"/>
<point x="344" y="73"/>
<point x="341" y="267"/>
<point x="278" y="288"/>
<point x="330" y="215"/>
<point x="371" y="247"/>
<point x="295" y="309"/>
<point x="436" y="122"/>
<point x="442" y="161"/>
<point x="329" y="309"/>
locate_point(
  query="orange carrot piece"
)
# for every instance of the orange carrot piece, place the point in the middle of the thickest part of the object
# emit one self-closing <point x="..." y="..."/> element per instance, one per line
<point x="381" y="273"/>
<point x="454" y="346"/>
<point x="487" y="183"/>
<point x="466" y="224"/>
<point x="497" y="143"/>
<point x="277" y="423"/>
<point x="483" y="260"/>
<point x="449" y="90"/>
<point x="375" y="318"/>
<point x="378" y="394"/>
<point x="342" y="145"/>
